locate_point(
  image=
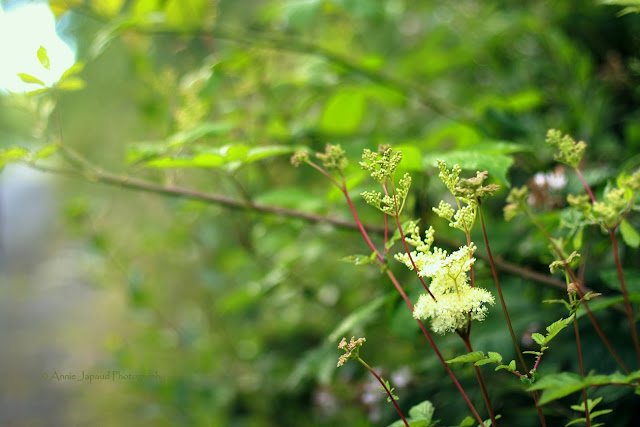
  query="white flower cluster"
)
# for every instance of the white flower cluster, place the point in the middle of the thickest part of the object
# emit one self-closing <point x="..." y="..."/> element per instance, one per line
<point x="456" y="302"/>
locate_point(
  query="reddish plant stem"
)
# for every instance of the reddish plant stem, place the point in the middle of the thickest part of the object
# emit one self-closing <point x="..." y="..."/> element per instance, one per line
<point x="534" y="393"/>
<point x="585" y="185"/>
<point x="407" y="301"/>
<point x="499" y="289"/>
<point x="584" y="390"/>
<point x="426" y="333"/>
<point x="406" y="247"/>
<point x="485" y="394"/>
<point x="573" y="277"/>
<point x="385" y="389"/>
<point x="614" y="245"/>
<point x="625" y="294"/>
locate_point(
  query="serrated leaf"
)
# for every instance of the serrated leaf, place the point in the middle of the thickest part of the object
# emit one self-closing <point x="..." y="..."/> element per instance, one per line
<point x="484" y="362"/>
<point x="469" y="357"/>
<point x="497" y="357"/>
<point x="629" y="234"/>
<point x="28" y="78"/>
<point x="556" y="327"/>
<point x="422" y="411"/>
<point x="600" y="412"/>
<point x="538" y="338"/>
<point x="43" y="57"/>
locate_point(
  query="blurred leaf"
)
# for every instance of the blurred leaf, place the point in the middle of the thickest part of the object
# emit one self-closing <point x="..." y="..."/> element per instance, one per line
<point x="343" y="112"/>
<point x="71" y="84"/>
<point x="629" y="234"/>
<point x="43" y="57"/>
<point x="46" y="151"/>
<point x="107" y="8"/>
<point x="358" y="319"/>
<point x="60" y="7"/>
<point x="74" y="69"/>
<point x="198" y="132"/>
<point x="27" y="78"/>
<point x="187" y="14"/>
<point x="631" y="275"/>
<point x="469" y="357"/>
<point x="492" y="156"/>
<point x="358" y="259"/>
<point x="557" y="386"/>
<point x="12" y="154"/>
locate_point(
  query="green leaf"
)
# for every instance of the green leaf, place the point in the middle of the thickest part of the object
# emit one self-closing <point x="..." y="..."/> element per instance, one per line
<point x="469" y="357"/>
<point x="45" y="151"/>
<point x="422" y="411"/>
<point x="484" y="362"/>
<point x="538" y="338"/>
<point x="71" y="84"/>
<point x="259" y="153"/>
<point x="466" y="422"/>
<point x="557" y="386"/>
<point x="187" y="14"/>
<point x="497" y="357"/>
<point x="343" y="112"/>
<point x="358" y="259"/>
<point x="556" y="327"/>
<point x="358" y="318"/>
<point x="492" y="156"/>
<point x="12" y="155"/>
<point x="560" y="385"/>
<point x="629" y="234"/>
<point x="28" y="78"/>
<point x="107" y="8"/>
<point x="74" y="69"/>
<point x="198" y="132"/>
<point x="43" y="57"/>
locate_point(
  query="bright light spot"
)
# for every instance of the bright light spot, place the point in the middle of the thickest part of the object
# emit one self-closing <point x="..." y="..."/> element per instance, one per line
<point x="22" y="32"/>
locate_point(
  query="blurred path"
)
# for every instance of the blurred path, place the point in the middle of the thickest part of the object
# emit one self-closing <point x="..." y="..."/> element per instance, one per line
<point x="48" y="317"/>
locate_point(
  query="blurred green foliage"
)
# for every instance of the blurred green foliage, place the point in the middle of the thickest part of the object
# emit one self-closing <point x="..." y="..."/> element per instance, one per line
<point x="240" y="310"/>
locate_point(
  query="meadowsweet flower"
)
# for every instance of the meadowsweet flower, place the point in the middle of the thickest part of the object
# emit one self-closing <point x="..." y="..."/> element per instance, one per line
<point x="351" y="349"/>
<point x="456" y="302"/>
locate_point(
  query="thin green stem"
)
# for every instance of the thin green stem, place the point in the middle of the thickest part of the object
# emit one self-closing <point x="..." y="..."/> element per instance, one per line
<point x="386" y="389"/>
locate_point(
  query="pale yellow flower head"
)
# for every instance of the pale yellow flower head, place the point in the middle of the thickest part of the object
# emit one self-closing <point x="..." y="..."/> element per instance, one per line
<point x="456" y="302"/>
